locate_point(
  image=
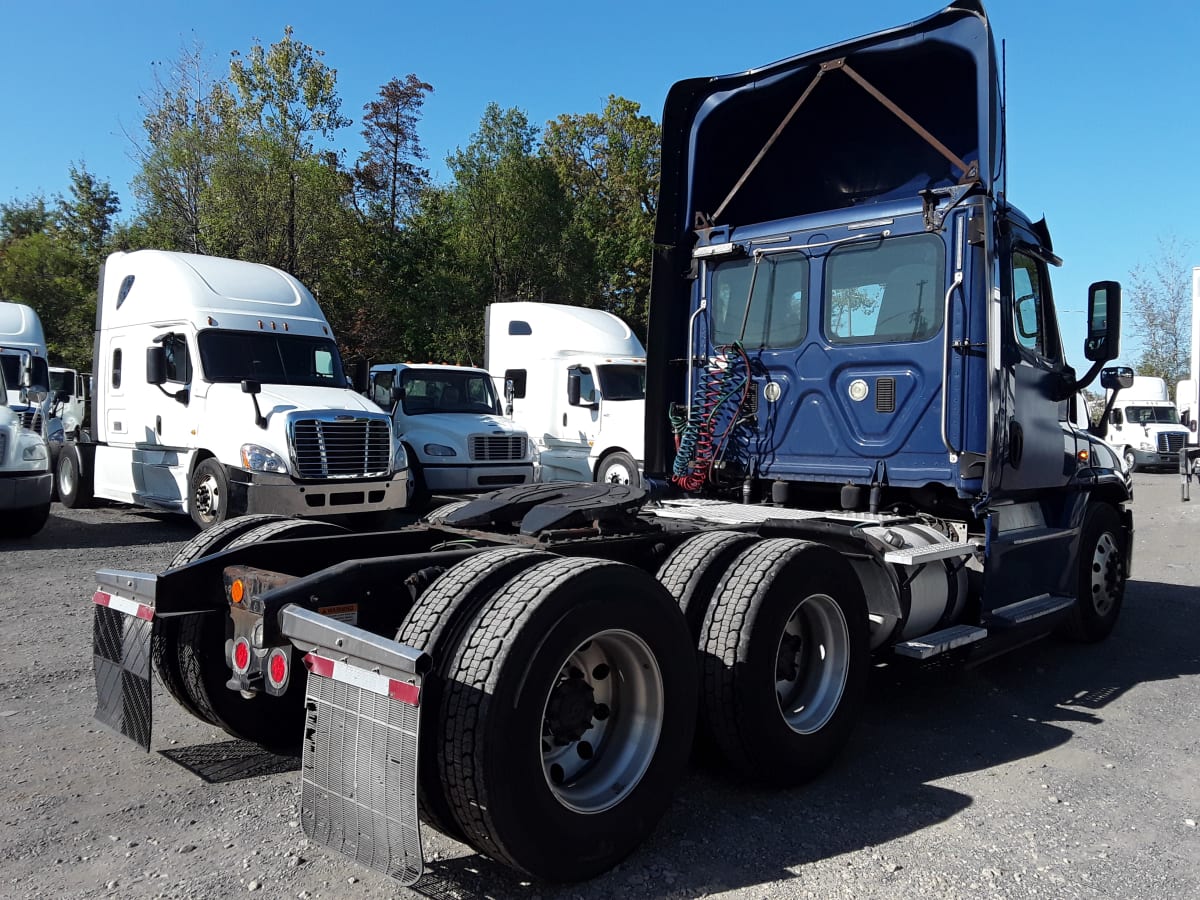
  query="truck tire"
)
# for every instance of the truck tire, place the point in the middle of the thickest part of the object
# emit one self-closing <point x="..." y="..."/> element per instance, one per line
<point x="1101" y="585"/>
<point x="568" y="717"/>
<point x="73" y="484"/>
<point x="784" y="660"/>
<point x="418" y="490"/>
<point x="165" y="649"/>
<point x="271" y="722"/>
<point x="1130" y="460"/>
<point x="24" y="523"/>
<point x="693" y="571"/>
<point x="436" y="624"/>
<point x="438" y="516"/>
<point x="208" y="494"/>
<point x="618" y="467"/>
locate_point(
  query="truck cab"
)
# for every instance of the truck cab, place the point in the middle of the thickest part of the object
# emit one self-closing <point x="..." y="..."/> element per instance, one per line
<point x="25" y="479"/>
<point x="23" y="356"/>
<point x="453" y="428"/>
<point x="576" y="379"/>
<point x="219" y="391"/>
<point x="69" y="394"/>
<point x="1145" y="425"/>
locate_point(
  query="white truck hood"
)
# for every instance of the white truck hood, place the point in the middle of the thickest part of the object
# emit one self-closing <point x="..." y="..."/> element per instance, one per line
<point x="457" y="426"/>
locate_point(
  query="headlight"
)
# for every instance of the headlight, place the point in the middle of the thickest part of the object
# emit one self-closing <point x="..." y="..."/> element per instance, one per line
<point x="34" y="452"/>
<point x="399" y="457"/>
<point x="1145" y="445"/>
<point x="260" y="459"/>
<point x="439" y="450"/>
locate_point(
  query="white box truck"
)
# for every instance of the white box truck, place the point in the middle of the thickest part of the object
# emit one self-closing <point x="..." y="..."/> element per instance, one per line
<point x="453" y="429"/>
<point x="577" y="379"/>
<point x="1144" y="426"/>
<point x="219" y="391"/>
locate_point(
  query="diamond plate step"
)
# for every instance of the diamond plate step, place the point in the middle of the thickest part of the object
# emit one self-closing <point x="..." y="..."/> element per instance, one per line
<point x="915" y="556"/>
<point x="930" y="645"/>
<point x="1028" y="610"/>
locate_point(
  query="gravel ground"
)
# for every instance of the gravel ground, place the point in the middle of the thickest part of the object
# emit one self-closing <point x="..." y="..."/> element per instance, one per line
<point x="1056" y="771"/>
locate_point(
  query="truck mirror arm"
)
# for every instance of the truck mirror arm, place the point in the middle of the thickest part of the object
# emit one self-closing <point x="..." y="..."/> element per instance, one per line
<point x="1097" y="428"/>
<point x="253" y="388"/>
<point x="180" y="396"/>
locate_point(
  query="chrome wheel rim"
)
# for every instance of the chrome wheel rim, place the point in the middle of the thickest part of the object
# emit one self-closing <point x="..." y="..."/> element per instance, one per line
<point x="601" y="721"/>
<point x="812" y="664"/>
<point x="66" y="477"/>
<point x="1106" y="574"/>
<point x="208" y="497"/>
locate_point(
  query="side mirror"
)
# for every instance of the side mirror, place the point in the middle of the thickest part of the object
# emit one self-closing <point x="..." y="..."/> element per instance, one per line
<point x="156" y="365"/>
<point x="573" y="384"/>
<point x="62" y="397"/>
<point x="1116" y="377"/>
<point x="1103" y="340"/>
<point x="26" y="378"/>
<point x="361" y="377"/>
<point x="251" y="387"/>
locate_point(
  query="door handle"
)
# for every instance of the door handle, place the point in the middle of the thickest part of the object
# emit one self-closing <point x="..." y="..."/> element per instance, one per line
<point x="158" y="425"/>
<point x="564" y="420"/>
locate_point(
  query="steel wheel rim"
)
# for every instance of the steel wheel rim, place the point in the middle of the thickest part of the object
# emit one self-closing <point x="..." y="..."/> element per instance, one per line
<point x="1106" y="574"/>
<point x="66" y="478"/>
<point x="208" y="497"/>
<point x="1130" y="460"/>
<point x="812" y="664"/>
<point x="601" y="721"/>
<point x="616" y="473"/>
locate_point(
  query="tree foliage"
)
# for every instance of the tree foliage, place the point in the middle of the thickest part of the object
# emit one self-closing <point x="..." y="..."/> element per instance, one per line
<point x="1158" y="310"/>
<point x="246" y="166"/>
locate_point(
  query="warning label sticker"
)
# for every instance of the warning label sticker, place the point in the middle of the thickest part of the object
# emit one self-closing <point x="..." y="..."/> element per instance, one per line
<point x="347" y="612"/>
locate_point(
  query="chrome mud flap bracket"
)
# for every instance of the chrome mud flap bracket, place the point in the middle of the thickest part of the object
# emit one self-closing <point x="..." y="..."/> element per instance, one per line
<point x="359" y="765"/>
<point x="122" y="636"/>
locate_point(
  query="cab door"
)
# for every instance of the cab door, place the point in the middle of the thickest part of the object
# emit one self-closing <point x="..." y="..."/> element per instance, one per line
<point x="1035" y="431"/>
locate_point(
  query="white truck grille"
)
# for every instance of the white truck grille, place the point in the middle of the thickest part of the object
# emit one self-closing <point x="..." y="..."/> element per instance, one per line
<point x="341" y="448"/>
<point x="490" y="448"/>
<point x="1170" y="442"/>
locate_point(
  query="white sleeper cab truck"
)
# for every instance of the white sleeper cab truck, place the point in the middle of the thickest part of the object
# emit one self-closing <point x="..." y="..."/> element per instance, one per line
<point x="577" y="379"/>
<point x="25" y="479"/>
<point x="1144" y="426"/>
<point x="454" y="432"/>
<point x="219" y="391"/>
<point x="26" y="372"/>
<point x="68" y="393"/>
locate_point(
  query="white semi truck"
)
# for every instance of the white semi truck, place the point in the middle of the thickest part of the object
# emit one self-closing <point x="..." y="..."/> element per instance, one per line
<point x="453" y="428"/>
<point x="25" y="479"/>
<point x="218" y="392"/>
<point x="577" y="380"/>
<point x="1144" y="425"/>
<point x="900" y="486"/>
<point x="69" y="394"/>
<point x="24" y="358"/>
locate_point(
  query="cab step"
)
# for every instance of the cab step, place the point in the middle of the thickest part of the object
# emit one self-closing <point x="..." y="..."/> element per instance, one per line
<point x="938" y="642"/>
<point x="915" y="556"/>
<point x="1027" y="610"/>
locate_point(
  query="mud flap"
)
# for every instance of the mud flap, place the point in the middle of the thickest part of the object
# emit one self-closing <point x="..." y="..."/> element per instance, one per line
<point x="121" y="640"/>
<point x="359" y="765"/>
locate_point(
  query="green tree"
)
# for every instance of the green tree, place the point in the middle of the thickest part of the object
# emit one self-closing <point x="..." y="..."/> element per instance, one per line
<point x="1158" y="303"/>
<point x="609" y="163"/>
<point x="389" y="177"/>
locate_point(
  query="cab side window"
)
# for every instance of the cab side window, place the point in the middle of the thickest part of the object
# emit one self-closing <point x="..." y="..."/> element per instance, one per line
<point x="179" y="367"/>
<point x="1033" y="324"/>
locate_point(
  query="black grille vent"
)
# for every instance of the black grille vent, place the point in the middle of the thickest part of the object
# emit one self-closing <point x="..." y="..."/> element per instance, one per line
<point x="1170" y="443"/>
<point x="885" y="395"/>
<point x="3" y="445"/>
<point x="356" y="448"/>
<point x="487" y="448"/>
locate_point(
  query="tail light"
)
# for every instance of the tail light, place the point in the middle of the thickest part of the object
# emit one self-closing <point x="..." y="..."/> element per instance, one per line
<point x="279" y="669"/>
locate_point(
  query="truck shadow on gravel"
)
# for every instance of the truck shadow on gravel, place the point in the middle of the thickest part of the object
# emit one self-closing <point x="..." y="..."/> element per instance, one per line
<point x="918" y="727"/>
<point x="119" y="528"/>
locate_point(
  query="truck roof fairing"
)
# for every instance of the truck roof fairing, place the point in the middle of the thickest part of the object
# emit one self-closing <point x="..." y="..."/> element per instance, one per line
<point x="843" y="146"/>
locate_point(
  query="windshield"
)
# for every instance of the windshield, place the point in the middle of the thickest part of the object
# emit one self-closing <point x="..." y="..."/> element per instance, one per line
<point x="884" y="292"/>
<point x="622" y="382"/>
<point x="62" y="381"/>
<point x="12" y="371"/>
<point x="447" y="391"/>
<point x="233" y="356"/>
<point x="1152" y="415"/>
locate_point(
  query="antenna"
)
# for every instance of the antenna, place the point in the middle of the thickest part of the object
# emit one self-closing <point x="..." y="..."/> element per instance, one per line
<point x="1004" y="115"/>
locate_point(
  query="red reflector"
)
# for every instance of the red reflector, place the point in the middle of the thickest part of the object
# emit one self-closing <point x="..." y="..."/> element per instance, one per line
<point x="319" y="665"/>
<point x="241" y="655"/>
<point x="278" y="669"/>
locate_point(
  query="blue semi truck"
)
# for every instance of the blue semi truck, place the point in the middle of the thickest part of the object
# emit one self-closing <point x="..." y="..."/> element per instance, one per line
<point x="860" y="450"/>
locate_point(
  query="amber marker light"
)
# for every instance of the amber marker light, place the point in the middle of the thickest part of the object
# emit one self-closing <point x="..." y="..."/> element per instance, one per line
<point x="237" y="591"/>
<point x="1083" y="456"/>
